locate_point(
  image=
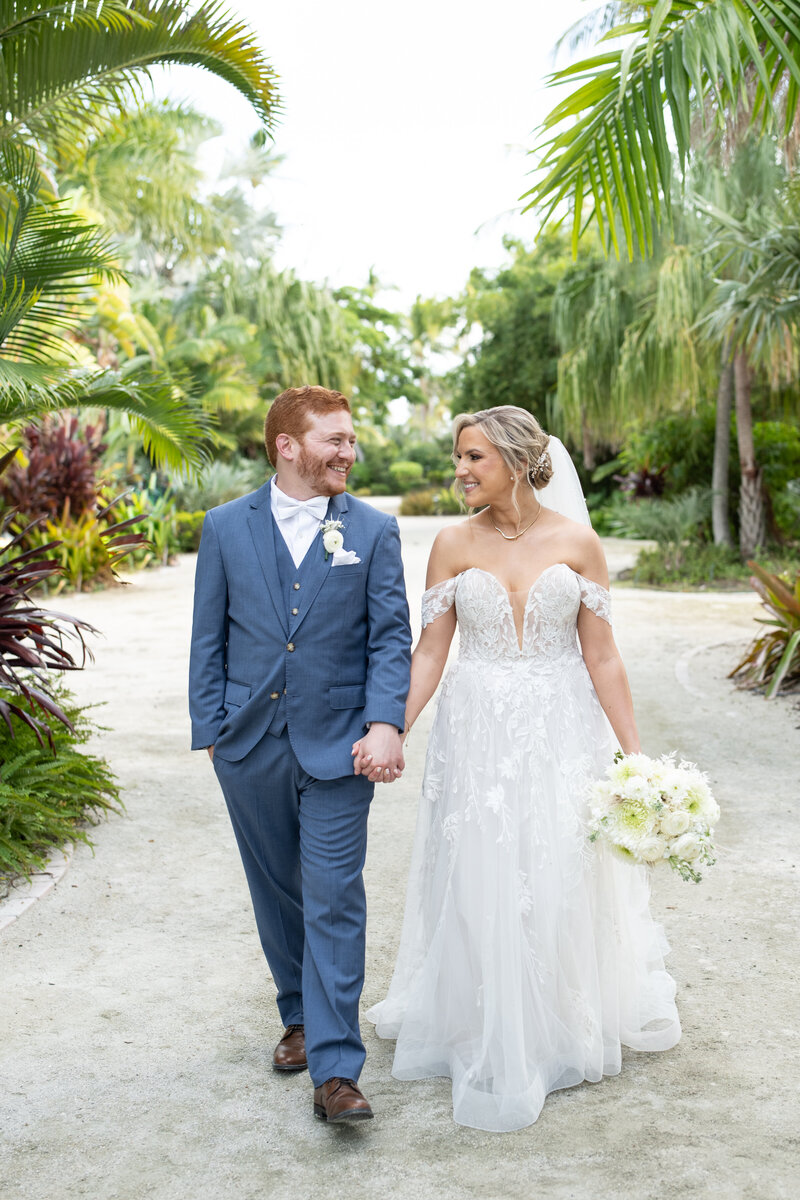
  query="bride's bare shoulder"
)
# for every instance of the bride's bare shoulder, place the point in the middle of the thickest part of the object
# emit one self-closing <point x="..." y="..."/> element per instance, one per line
<point x="450" y="546"/>
<point x="579" y="545"/>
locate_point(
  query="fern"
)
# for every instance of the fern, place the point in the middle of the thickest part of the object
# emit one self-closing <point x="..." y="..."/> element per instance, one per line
<point x="48" y="798"/>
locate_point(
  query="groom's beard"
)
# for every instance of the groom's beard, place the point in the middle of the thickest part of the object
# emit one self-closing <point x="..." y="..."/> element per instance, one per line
<point x="316" y="474"/>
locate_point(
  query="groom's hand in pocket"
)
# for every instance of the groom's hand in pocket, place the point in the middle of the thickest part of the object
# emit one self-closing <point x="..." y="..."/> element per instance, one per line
<point x="379" y="754"/>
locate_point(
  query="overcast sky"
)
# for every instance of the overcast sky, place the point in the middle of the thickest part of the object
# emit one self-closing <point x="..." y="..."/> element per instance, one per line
<point x="404" y="130"/>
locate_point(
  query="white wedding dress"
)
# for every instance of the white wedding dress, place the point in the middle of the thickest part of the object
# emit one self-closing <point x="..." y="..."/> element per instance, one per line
<point x="528" y="954"/>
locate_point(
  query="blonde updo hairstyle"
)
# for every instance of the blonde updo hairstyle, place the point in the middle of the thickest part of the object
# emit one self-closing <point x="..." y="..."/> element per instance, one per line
<point x="518" y="437"/>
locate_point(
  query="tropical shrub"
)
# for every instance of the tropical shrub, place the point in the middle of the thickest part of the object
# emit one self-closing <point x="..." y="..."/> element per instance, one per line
<point x="435" y="457"/>
<point x="55" y="484"/>
<point x="418" y="504"/>
<point x="370" y="473"/>
<point x="609" y="515"/>
<point x="446" y="502"/>
<point x="772" y="660"/>
<point x="154" y="517"/>
<point x="49" y="794"/>
<point x="59" y="465"/>
<point x="430" y="503"/>
<point x="86" y="550"/>
<point x="33" y="641"/>
<point x="188" y="528"/>
<point x="678" y="446"/>
<point x="644" y="482"/>
<point x="703" y="565"/>
<point x="672" y="523"/>
<point x="218" y="483"/>
<point x="778" y="451"/>
<point x="406" y="474"/>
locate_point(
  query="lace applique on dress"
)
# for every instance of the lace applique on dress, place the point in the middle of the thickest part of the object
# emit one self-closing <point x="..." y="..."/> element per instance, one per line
<point x="528" y="955"/>
<point x="438" y="599"/>
<point x="596" y="598"/>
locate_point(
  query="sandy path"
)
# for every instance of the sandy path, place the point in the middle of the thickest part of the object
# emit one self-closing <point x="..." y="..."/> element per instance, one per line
<point x="136" y="1021"/>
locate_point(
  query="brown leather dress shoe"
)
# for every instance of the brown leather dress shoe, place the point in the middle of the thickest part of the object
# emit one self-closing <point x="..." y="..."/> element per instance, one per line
<point x="290" y="1052"/>
<point x="340" y="1100"/>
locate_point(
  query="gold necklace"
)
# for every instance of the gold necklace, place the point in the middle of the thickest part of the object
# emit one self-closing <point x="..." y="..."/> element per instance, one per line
<point x="512" y="537"/>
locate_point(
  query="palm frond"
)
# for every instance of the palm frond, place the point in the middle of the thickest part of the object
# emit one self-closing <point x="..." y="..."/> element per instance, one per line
<point x="48" y="258"/>
<point x="174" y="430"/>
<point x="61" y="61"/>
<point x="758" y="310"/>
<point x="606" y="152"/>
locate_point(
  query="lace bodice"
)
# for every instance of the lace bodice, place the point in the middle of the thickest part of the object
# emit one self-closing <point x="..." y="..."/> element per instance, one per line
<point x="486" y="616"/>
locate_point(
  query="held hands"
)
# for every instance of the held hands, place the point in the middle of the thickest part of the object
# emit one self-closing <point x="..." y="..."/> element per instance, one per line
<point x="379" y="754"/>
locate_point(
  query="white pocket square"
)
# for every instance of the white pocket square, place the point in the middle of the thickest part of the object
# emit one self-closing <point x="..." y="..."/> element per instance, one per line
<point x="345" y="558"/>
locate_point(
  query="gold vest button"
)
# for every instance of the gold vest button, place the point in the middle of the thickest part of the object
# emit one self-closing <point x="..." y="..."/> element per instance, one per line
<point x="295" y="611"/>
<point x="274" y="695"/>
<point x="290" y="646"/>
<point x="296" y="587"/>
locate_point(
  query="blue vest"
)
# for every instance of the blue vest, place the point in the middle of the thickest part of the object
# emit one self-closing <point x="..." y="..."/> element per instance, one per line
<point x="291" y="579"/>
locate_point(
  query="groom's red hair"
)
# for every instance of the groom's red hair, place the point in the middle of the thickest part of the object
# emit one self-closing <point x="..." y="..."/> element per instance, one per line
<point x="289" y="413"/>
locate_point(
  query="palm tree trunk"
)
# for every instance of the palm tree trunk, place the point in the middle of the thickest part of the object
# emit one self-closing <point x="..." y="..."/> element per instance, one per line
<point x="720" y="519"/>
<point x="752" y="516"/>
<point x="589" y="460"/>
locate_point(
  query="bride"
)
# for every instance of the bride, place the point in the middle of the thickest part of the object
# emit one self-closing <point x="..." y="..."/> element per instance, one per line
<point x="528" y="955"/>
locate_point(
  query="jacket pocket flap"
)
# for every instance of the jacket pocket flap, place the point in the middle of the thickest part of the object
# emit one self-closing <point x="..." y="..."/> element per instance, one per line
<point x="236" y="693"/>
<point x="350" y="696"/>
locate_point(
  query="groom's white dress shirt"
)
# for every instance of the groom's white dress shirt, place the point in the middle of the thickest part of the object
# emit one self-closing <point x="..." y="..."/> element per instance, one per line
<point x="297" y="520"/>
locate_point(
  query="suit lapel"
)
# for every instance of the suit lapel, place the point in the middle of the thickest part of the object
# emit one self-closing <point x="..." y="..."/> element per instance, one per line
<point x="315" y="566"/>
<point x="262" y="528"/>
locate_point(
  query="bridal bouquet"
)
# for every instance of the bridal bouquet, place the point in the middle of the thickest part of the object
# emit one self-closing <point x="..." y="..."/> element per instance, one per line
<point x="654" y="810"/>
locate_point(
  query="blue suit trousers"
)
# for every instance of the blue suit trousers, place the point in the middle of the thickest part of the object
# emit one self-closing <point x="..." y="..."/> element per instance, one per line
<point x="303" y="843"/>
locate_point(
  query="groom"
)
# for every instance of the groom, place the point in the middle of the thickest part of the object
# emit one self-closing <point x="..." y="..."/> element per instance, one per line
<point x="300" y="647"/>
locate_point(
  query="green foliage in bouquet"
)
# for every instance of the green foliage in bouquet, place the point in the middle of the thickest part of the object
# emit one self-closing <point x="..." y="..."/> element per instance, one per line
<point x="47" y="799"/>
<point x="773" y="658"/>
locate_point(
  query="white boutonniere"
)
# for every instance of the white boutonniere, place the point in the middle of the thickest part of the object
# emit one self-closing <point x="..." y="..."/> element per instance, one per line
<point x="333" y="541"/>
<point x="332" y="538"/>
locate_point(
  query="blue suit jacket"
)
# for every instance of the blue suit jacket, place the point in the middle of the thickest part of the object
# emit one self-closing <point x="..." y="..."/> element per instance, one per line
<point x="351" y="640"/>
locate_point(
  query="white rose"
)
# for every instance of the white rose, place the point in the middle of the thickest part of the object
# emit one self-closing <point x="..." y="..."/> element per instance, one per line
<point x="675" y="823"/>
<point x="686" y="847"/>
<point x="650" y="849"/>
<point x="332" y="541"/>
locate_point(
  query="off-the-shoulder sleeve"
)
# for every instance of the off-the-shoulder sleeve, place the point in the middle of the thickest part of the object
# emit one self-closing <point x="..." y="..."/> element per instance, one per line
<point x="438" y="599"/>
<point x="596" y="598"/>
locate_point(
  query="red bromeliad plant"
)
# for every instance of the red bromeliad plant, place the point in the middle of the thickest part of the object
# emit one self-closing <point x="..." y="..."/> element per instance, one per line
<point x="57" y="495"/>
<point x="773" y="658"/>
<point x="35" y="641"/>
<point x="61" y="468"/>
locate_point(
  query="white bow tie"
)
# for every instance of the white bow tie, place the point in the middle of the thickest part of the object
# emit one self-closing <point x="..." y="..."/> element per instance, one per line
<point x="287" y="506"/>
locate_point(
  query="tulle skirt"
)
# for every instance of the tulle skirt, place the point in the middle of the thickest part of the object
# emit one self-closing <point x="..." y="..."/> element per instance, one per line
<point x="528" y="955"/>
